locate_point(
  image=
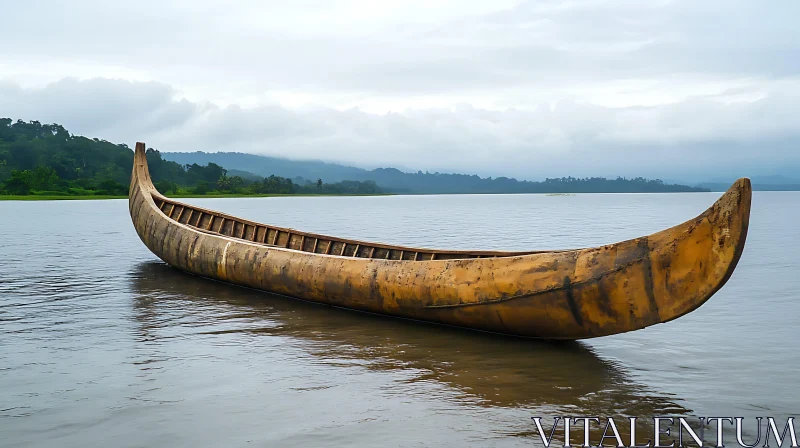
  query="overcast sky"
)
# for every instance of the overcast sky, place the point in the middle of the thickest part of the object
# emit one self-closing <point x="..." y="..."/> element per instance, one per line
<point x="532" y="89"/>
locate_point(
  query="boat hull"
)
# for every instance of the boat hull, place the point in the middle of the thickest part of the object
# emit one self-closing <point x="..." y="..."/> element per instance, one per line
<point x="571" y="294"/>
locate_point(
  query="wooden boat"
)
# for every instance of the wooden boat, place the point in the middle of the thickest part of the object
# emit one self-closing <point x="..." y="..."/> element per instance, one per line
<point x="564" y="294"/>
<point x="518" y="374"/>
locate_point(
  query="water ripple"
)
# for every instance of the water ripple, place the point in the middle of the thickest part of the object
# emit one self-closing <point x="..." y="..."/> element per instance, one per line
<point x="101" y="344"/>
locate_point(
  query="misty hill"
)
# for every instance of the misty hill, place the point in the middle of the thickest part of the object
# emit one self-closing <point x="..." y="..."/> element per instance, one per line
<point x="719" y="186"/>
<point x="396" y="181"/>
<point x="47" y="160"/>
<point x="47" y="157"/>
<point x="764" y="180"/>
<point x="760" y="183"/>
<point x="266" y="166"/>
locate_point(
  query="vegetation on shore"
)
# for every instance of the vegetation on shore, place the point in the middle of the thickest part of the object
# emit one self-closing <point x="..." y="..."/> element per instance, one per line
<point x="397" y="181"/>
<point x="55" y="197"/>
<point x="45" y="160"/>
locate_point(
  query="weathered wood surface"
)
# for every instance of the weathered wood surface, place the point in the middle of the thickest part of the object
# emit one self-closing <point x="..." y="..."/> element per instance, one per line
<point x="569" y="294"/>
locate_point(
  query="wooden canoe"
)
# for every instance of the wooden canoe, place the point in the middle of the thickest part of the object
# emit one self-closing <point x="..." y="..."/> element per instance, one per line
<point x="566" y="294"/>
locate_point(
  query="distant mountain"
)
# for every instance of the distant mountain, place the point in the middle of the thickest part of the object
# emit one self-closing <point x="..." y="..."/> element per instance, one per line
<point x="774" y="179"/>
<point x="246" y="175"/>
<point x="760" y="183"/>
<point x="266" y="166"/>
<point x="720" y="186"/>
<point x="396" y="181"/>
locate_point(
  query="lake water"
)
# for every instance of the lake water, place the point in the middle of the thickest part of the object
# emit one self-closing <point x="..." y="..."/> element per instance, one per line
<point x="101" y="344"/>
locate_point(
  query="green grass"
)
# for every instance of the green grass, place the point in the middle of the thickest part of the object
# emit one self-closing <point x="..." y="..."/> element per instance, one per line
<point x="271" y="195"/>
<point x="45" y="197"/>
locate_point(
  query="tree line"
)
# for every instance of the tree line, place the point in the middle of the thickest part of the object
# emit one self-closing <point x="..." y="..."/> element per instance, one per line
<point x="393" y="180"/>
<point x="45" y="159"/>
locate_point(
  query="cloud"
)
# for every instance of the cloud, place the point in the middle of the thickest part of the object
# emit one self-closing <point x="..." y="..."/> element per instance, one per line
<point x="406" y="48"/>
<point x="698" y="138"/>
<point x="663" y="88"/>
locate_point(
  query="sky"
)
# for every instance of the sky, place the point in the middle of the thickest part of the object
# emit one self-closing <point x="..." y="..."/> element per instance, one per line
<point x="674" y="89"/>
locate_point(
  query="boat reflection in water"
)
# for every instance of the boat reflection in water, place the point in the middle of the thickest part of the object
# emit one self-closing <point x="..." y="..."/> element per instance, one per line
<point x="488" y="371"/>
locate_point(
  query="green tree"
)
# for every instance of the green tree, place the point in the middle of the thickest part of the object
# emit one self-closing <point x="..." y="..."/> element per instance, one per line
<point x="43" y="178"/>
<point x="112" y="187"/>
<point x="202" y="187"/>
<point x="18" y="183"/>
<point x="236" y="183"/>
<point x="224" y="182"/>
<point x="166" y="186"/>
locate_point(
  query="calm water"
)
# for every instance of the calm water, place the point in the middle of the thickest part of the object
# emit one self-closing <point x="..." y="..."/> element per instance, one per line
<point x="101" y="344"/>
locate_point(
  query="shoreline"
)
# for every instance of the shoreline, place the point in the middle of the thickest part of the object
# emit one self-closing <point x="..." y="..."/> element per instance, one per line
<point x="33" y="197"/>
<point x="272" y="195"/>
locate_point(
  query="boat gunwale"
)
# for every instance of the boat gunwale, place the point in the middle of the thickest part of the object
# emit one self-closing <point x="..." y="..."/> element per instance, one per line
<point x="155" y="194"/>
<point x="147" y="187"/>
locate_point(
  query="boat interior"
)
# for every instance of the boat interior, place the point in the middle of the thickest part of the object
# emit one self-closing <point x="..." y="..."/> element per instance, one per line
<point x="217" y="223"/>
